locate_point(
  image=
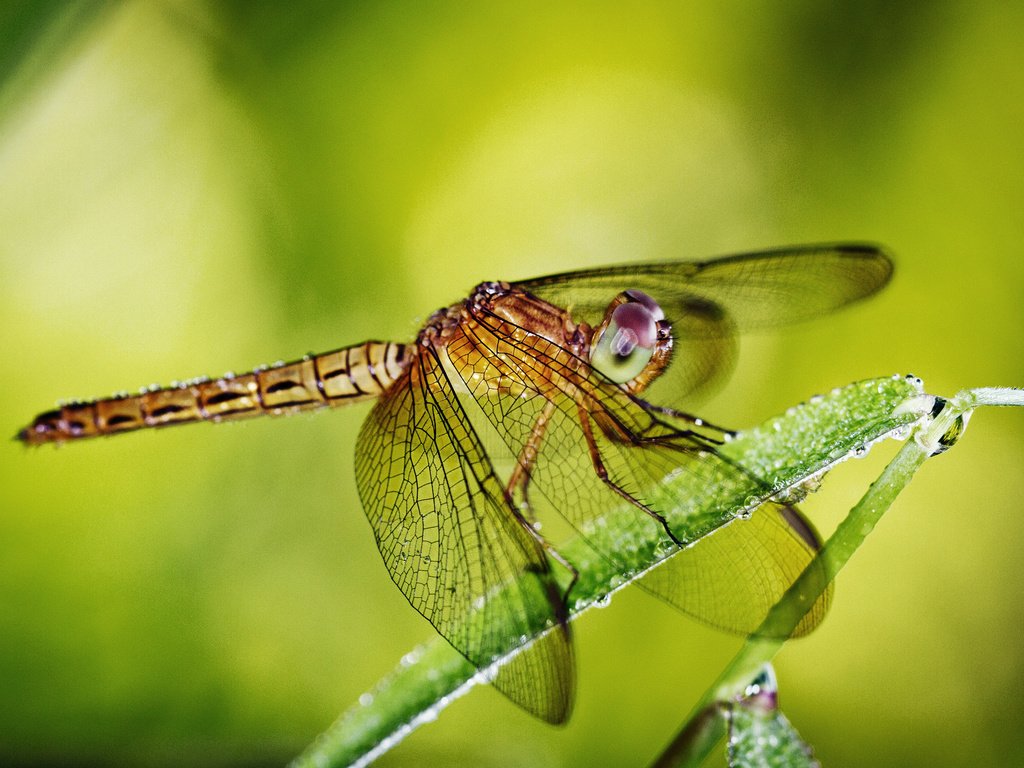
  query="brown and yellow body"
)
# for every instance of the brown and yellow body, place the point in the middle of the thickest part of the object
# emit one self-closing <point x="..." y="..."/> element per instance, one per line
<point x="336" y="378"/>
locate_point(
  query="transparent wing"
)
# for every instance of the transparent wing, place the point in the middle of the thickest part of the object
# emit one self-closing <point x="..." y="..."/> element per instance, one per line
<point x="601" y="452"/>
<point x="453" y="544"/>
<point x="756" y="290"/>
<point x="732" y="577"/>
<point x="708" y="302"/>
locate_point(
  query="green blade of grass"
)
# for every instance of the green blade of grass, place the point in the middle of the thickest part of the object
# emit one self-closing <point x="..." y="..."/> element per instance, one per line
<point x="783" y="453"/>
<point x="931" y="436"/>
<point x="759" y="738"/>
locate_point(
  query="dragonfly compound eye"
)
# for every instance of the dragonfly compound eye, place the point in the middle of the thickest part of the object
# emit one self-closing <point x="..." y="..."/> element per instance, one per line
<point x="647" y="301"/>
<point x="625" y="345"/>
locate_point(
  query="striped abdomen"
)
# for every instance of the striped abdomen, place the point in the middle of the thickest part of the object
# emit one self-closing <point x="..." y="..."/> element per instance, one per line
<point x="345" y="376"/>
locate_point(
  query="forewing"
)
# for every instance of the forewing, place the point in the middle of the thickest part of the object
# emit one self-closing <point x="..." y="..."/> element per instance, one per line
<point x="708" y="302"/>
<point x="756" y="290"/>
<point x="453" y="544"/>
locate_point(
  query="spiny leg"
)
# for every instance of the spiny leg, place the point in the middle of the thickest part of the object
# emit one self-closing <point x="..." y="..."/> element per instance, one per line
<point x="527" y="459"/>
<point x="682" y="440"/>
<point x="602" y="473"/>
<point x="520" y="478"/>
<point x="689" y="418"/>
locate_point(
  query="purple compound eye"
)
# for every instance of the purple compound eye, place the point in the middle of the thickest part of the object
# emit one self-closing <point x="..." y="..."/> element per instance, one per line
<point x="635" y="323"/>
<point x="623" y="349"/>
<point x="647" y="301"/>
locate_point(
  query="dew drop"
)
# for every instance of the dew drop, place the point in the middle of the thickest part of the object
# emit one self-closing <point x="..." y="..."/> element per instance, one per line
<point x="665" y="547"/>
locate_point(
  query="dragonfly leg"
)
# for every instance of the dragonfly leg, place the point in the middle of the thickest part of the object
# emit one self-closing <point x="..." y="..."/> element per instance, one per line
<point x="527" y="459"/>
<point x="520" y="479"/>
<point x="671" y="437"/>
<point x="689" y="418"/>
<point x="602" y="472"/>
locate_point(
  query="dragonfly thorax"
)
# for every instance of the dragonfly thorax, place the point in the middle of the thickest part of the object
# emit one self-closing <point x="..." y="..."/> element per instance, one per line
<point x="524" y="315"/>
<point x="443" y="323"/>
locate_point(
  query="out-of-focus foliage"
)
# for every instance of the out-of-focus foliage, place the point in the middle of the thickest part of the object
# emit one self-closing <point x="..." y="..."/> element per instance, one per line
<point x="187" y="188"/>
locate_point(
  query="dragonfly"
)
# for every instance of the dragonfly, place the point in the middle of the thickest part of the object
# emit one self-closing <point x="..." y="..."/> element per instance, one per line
<point x="560" y="395"/>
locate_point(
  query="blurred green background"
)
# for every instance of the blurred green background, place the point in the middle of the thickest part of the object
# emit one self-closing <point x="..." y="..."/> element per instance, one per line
<point x="188" y="188"/>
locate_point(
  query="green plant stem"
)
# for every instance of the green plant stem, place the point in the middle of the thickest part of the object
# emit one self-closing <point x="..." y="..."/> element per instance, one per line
<point x="972" y="398"/>
<point x="701" y="732"/>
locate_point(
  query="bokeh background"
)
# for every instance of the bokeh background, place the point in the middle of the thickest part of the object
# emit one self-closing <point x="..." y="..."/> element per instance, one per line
<point x="189" y="188"/>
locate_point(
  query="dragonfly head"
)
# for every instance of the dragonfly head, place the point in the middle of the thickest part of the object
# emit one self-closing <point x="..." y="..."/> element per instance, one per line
<point x="633" y="343"/>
